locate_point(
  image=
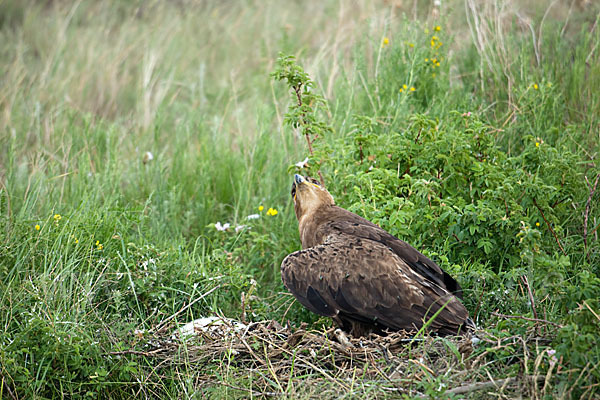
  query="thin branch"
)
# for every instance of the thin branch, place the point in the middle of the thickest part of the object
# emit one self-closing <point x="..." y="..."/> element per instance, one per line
<point x="298" y="91"/>
<point x="472" y="387"/>
<point x="10" y="392"/>
<point x="250" y="391"/>
<point x="457" y="238"/>
<point x="136" y="352"/>
<point x="593" y="231"/>
<point x="544" y="321"/>
<point x="530" y="294"/>
<point x="550" y="227"/>
<point x="592" y="311"/>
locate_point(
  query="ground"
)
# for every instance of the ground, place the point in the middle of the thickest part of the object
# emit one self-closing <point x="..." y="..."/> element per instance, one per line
<point x="146" y="157"/>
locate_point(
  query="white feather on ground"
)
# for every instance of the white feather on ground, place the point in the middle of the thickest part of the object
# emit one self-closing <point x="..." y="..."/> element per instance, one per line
<point x="211" y="326"/>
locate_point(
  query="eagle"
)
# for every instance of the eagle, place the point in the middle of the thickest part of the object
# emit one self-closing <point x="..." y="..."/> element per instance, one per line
<point x="364" y="278"/>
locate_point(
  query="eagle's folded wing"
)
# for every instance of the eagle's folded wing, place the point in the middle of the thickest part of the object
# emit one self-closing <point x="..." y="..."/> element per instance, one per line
<point x="354" y="225"/>
<point x="356" y="279"/>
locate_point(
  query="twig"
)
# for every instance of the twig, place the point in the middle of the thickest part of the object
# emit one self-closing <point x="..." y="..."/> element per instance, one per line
<point x="162" y="324"/>
<point x="304" y="361"/>
<point x="587" y="207"/>
<point x="136" y="352"/>
<point x="550" y="227"/>
<point x="527" y="319"/>
<point x="5" y="384"/>
<point x="484" y="385"/>
<point x="251" y="391"/>
<point x="457" y="238"/>
<point x="593" y="231"/>
<point x="592" y="311"/>
<point x="479" y="302"/>
<point x="298" y="91"/>
<point x="530" y="294"/>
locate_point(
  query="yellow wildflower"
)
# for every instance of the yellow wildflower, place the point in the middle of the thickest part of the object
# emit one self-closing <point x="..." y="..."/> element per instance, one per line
<point x="57" y="217"/>
<point x="427" y="60"/>
<point x="537" y="144"/>
<point x="401" y="90"/>
<point x="437" y="28"/>
<point x="38" y="227"/>
<point x="385" y="42"/>
<point x="435" y="42"/>
<point x="411" y="45"/>
<point x="99" y="245"/>
<point x="412" y="89"/>
<point x="535" y="86"/>
<point x="260" y="208"/>
<point x="537" y="224"/>
<point x="272" y="212"/>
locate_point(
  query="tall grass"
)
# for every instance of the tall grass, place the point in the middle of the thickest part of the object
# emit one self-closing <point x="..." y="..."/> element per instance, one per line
<point x="87" y="89"/>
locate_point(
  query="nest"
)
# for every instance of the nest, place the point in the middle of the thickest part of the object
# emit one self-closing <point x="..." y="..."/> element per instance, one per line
<point x="268" y="359"/>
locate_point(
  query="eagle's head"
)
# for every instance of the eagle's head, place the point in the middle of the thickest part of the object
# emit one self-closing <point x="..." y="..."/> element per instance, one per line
<point x="309" y="195"/>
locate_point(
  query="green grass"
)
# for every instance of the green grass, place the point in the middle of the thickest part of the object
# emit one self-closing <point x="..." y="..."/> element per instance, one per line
<point x="498" y="197"/>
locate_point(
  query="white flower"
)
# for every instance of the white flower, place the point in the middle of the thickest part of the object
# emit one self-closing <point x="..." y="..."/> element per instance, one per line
<point x="553" y="359"/>
<point x="302" y="164"/>
<point x="147" y="157"/>
<point x="239" y="228"/>
<point x="254" y="216"/>
<point x="223" y="227"/>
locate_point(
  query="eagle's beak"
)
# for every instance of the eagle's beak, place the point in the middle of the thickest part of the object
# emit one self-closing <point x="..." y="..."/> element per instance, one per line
<point x="298" y="179"/>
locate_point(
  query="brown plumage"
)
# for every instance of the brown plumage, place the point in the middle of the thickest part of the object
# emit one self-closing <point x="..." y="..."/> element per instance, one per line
<point x="366" y="279"/>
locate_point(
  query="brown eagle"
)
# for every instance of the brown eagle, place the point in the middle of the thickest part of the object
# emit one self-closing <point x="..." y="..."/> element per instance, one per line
<point x="366" y="279"/>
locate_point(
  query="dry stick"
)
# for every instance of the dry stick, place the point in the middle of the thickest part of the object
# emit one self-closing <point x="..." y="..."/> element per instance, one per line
<point x="527" y="319"/>
<point x="251" y="391"/>
<point x="136" y="352"/>
<point x="305" y="362"/>
<point x="586" y="214"/>
<point x="530" y="294"/>
<point x="5" y="384"/>
<point x="243" y="317"/>
<point x="592" y="311"/>
<point x="549" y="227"/>
<point x="483" y="385"/>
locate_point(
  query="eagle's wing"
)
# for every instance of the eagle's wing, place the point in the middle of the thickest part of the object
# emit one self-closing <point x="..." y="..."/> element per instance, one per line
<point x="354" y="225"/>
<point x="356" y="279"/>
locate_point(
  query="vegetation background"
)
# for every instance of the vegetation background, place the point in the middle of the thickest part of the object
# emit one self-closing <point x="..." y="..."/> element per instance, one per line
<point x="128" y="130"/>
